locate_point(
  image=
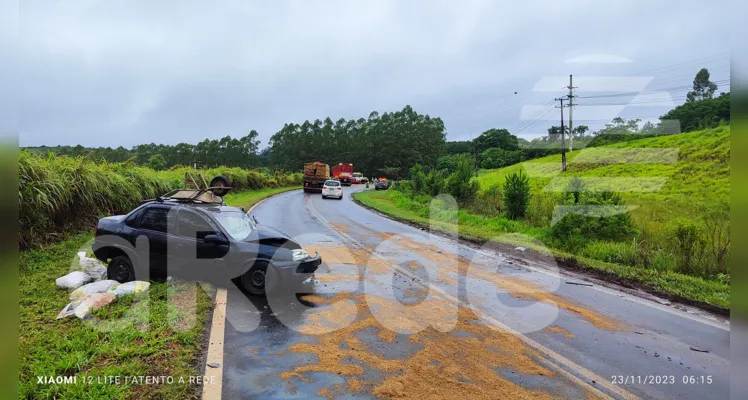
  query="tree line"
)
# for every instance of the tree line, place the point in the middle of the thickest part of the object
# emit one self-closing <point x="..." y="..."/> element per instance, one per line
<point x="389" y="143"/>
<point x="210" y="153"/>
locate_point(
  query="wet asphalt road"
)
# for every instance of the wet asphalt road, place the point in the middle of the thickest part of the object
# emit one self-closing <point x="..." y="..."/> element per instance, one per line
<point x="638" y="348"/>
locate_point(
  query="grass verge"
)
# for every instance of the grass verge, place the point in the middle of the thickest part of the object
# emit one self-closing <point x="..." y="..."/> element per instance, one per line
<point x="711" y="295"/>
<point x="159" y="334"/>
<point x="144" y="336"/>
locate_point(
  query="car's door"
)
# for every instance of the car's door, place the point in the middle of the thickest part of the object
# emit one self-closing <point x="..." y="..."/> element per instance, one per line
<point x="194" y="257"/>
<point x="155" y="224"/>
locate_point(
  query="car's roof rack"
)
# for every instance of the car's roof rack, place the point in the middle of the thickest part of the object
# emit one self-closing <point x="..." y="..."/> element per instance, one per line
<point x="195" y="195"/>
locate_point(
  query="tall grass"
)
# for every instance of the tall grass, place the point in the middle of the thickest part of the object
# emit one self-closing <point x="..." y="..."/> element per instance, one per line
<point x="59" y="193"/>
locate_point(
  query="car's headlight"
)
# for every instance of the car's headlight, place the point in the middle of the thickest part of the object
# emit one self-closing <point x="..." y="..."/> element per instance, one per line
<point x="300" y="254"/>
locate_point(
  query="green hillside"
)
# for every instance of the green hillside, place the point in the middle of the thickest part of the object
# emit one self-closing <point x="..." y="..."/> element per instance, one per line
<point x="698" y="178"/>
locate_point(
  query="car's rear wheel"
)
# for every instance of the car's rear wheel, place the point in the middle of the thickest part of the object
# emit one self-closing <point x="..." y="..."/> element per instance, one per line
<point x="259" y="279"/>
<point x="120" y="269"/>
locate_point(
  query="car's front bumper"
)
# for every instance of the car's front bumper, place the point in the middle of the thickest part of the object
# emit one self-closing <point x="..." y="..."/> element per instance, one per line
<point x="298" y="271"/>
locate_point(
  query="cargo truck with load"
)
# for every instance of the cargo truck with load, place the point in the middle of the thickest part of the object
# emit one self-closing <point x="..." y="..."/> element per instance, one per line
<point x="343" y="172"/>
<point x="315" y="175"/>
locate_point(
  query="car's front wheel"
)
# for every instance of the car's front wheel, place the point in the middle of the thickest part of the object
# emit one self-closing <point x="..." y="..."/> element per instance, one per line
<point x="258" y="280"/>
<point x="120" y="269"/>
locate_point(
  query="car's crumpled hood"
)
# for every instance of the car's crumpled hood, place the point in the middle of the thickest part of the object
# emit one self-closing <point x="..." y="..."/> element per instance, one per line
<point x="271" y="236"/>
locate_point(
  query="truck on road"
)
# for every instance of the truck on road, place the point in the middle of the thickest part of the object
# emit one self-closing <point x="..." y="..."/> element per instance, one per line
<point x="358" y="177"/>
<point x="315" y="175"/>
<point x="343" y="172"/>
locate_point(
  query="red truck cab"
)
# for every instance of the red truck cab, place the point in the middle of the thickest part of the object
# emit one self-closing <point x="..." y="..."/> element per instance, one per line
<point x="343" y="172"/>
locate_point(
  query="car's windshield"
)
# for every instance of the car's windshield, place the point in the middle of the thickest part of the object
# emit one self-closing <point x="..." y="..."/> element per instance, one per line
<point x="357" y="175"/>
<point x="332" y="183"/>
<point x="238" y="224"/>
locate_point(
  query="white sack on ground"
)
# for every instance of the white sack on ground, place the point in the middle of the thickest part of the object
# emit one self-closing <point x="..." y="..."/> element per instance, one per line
<point x="93" y="267"/>
<point x="93" y="302"/>
<point x="73" y="280"/>
<point x="130" y="288"/>
<point x="91" y="288"/>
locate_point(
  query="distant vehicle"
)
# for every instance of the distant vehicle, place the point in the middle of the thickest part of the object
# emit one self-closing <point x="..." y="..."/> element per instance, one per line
<point x="315" y="175"/>
<point x="381" y="185"/>
<point x="332" y="189"/>
<point x="343" y="173"/>
<point x="202" y="239"/>
<point x="358" y="177"/>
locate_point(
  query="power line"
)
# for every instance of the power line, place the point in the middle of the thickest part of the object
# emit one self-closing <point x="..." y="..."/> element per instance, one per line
<point x="523" y="124"/>
<point x="676" y="88"/>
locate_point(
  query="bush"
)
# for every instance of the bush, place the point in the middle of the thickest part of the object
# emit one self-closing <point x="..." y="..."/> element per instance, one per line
<point x="599" y="217"/>
<point x="450" y="163"/>
<point x="575" y="188"/>
<point x="489" y="202"/>
<point x="417" y="179"/>
<point x="435" y="182"/>
<point x="516" y="194"/>
<point x="540" y="211"/>
<point x="460" y="184"/>
<point x="157" y="162"/>
<point x="497" y="158"/>
<point x="716" y="220"/>
<point x="690" y="248"/>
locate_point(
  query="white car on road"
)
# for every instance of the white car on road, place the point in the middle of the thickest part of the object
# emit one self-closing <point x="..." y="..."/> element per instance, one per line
<point x="332" y="189"/>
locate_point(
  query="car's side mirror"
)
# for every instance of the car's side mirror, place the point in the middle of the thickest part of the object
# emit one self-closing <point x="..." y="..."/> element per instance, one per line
<point x="215" y="239"/>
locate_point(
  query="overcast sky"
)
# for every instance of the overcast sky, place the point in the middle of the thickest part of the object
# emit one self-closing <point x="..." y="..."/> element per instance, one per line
<point x="124" y="72"/>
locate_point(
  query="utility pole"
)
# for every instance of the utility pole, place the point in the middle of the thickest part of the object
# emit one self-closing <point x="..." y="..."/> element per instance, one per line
<point x="571" y="111"/>
<point x="563" y="138"/>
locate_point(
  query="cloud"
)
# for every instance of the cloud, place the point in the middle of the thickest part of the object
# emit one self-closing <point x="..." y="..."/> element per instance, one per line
<point x="599" y="58"/>
<point x="123" y="72"/>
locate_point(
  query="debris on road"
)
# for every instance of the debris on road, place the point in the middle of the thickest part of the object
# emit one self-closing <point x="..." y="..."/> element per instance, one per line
<point x="214" y="365"/>
<point x="91" y="288"/>
<point x="698" y="349"/>
<point x="579" y="283"/>
<point x="520" y="248"/>
<point x="93" y="302"/>
<point x="73" y="280"/>
<point x="130" y="288"/>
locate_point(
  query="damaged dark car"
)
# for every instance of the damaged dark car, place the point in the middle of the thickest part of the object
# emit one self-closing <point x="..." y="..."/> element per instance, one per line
<point x="201" y="241"/>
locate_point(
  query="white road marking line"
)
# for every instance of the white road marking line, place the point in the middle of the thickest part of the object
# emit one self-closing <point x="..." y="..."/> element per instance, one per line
<point x="212" y="391"/>
<point x="559" y="359"/>
<point x="217" y="335"/>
